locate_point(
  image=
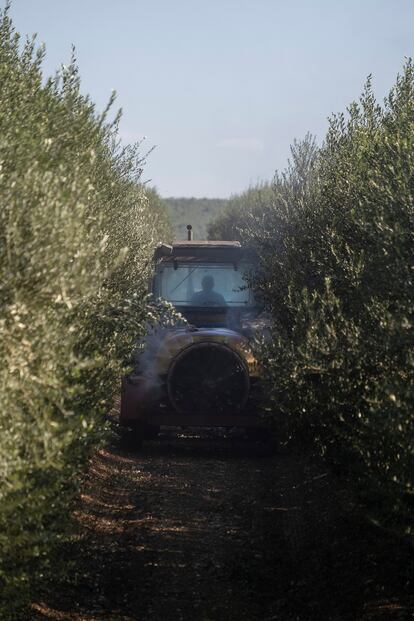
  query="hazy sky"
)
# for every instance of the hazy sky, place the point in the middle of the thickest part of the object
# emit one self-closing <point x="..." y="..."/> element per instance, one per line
<point x="222" y="87"/>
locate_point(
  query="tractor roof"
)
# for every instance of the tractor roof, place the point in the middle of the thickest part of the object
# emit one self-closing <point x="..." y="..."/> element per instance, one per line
<point x="200" y="251"/>
<point x="206" y="243"/>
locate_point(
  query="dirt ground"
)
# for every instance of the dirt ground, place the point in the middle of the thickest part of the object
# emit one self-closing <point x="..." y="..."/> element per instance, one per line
<point x="202" y="527"/>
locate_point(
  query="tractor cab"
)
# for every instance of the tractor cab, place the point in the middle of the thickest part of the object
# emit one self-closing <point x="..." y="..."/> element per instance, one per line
<point x="207" y="281"/>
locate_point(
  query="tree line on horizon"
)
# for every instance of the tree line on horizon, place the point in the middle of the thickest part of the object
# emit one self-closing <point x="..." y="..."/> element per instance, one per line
<point x="195" y="211"/>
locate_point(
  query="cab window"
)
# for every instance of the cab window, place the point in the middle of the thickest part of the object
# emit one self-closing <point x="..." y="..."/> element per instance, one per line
<point x="205" y="285"/>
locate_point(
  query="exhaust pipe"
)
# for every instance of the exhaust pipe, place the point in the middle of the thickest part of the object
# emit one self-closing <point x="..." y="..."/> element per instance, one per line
<point x="189" y="232"/>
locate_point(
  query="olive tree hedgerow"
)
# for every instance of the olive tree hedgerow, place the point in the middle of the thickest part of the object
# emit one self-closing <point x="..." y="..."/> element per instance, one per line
<point x="230" y="224"/>
<point x="76" y="231"/>
<point x="336" y="248"/>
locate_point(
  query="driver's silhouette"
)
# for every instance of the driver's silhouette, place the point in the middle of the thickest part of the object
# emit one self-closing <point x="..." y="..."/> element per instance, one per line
<point x="207" y="296"/>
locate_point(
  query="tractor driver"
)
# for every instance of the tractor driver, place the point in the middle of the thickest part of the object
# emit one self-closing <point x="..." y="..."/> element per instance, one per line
<point x="207" y="296"/>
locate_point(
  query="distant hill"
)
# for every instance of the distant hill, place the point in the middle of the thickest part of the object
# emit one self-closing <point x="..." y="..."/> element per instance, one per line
<point x="195" y="211"/>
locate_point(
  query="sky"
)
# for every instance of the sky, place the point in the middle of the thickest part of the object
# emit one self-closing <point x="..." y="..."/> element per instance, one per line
<point x="221" y="88"/>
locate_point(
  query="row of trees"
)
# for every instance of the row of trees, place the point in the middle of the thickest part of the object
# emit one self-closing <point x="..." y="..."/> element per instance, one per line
<point x="195" y="211"/>
<point x="76" y="233"/>
<point x="335" y="236"/>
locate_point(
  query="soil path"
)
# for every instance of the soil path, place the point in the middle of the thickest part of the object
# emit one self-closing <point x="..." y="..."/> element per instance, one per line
<point x="205" y="528"/>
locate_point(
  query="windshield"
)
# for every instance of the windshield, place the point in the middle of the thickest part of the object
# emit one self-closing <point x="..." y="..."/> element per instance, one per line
<point x="204" y="285"/>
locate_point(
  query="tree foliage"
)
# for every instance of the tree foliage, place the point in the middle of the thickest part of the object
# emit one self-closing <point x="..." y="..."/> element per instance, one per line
<point x="230" y="223"/>
<point x="76" y="233"/>
<point x="335" y="242"/>
<point x="195" y="211"/>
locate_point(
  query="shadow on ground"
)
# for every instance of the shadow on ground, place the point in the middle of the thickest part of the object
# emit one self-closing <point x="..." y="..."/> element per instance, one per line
<point x="200" y="527"/>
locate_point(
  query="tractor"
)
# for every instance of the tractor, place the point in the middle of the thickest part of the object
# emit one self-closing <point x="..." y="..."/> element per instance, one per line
<point x="202" y="373"/>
